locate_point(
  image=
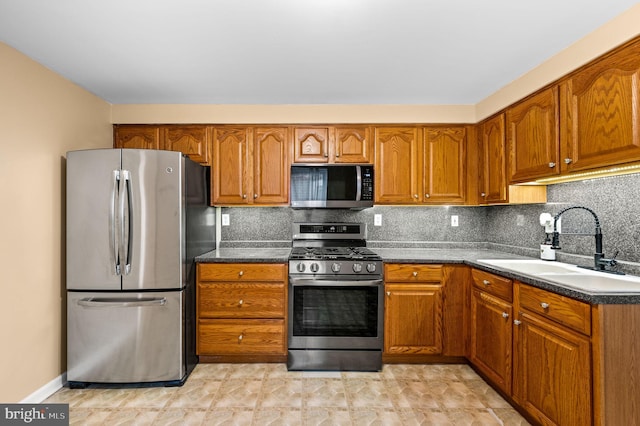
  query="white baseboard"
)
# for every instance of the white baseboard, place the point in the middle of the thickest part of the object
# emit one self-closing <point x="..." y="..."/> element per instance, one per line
<point x="46" y="391"/>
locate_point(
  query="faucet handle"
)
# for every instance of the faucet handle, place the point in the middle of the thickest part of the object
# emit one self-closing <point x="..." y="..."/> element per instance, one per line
<point x="613" y="261"/>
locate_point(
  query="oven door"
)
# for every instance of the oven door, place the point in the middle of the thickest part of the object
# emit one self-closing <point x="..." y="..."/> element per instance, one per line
<point x="335" y="314"/>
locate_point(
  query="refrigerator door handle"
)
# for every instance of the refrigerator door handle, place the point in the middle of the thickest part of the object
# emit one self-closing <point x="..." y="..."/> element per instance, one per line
<point x="113" y="235"/>
<point x="121" y="302"/>
<point x="127" y="223"/>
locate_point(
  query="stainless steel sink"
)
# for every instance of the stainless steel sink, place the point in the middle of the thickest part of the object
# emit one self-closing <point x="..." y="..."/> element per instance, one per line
<point x="570" y="276"/>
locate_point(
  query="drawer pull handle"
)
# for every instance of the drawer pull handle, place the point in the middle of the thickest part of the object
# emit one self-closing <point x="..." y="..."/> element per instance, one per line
<point x="505" y="315"/>
<point x="516" y="322"/>
<point x="241" y="273"/>
<point x="240" y="338"/>
<point x="544" y="305"/>
<point x="486" y="282"/>
<point x="415" y="274"/>
<point x="240" y="302"/>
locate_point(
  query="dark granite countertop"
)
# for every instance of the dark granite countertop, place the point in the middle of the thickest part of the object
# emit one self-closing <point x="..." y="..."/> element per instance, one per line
<point x="429" y="255"/>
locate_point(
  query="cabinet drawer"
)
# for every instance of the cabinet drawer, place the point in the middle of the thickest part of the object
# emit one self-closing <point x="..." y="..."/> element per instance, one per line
<point x="407" y="272"/>
<point x="241" y="300"/>
<point x="566" y="311"/>
<point x="493" y="284"/>
<point x="241" y="271"/>
<point x="241" y="337"/>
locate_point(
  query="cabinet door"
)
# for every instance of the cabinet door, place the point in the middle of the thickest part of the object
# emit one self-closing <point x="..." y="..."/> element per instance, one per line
<point x="532" y="137"/>
<point x="552" y="372"/>
<point x="271" y="165"/>
<point x="311" y="144"/>
<point x="413" y="319"/>
<point x="397" y="165"/>
<point x="190" y="140"/>
<point x="493" y="165"/>
<point x="136" y="137"/>
<point x="491" y="338"/>
<point x="352" y="144"/>
<point x="231" y="168"/>
<point x="601" y="113"/>
<point x="444" y="165"/>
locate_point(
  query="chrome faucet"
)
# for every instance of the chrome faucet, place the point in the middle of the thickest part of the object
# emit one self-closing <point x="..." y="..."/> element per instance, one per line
<point x="600" y="263"/>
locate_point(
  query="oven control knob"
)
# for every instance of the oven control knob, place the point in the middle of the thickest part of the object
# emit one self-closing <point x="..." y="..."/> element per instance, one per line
<point x="371" y="268"/>
<point x="300" y="267"/>
<point x="314" y="267"/>
<point x="357" y="267"/>
<point x="336" y="267"/>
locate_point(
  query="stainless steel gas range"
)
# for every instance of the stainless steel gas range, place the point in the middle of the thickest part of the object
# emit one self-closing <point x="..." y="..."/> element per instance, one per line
<point x="336" y="299"/>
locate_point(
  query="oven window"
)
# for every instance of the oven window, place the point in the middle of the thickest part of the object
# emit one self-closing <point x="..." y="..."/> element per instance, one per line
<point x="335" y="311"/>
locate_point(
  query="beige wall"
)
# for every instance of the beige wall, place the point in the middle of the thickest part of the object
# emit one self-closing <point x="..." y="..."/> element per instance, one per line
<point x="614" y="33"/>
<point x="42" y="116"/>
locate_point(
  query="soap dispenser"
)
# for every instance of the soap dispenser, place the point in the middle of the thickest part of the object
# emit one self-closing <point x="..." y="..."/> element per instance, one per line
<point x="546" y="252"/>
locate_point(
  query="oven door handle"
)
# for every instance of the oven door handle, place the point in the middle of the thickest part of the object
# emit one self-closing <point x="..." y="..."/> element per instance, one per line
<point x="334" y="282"/>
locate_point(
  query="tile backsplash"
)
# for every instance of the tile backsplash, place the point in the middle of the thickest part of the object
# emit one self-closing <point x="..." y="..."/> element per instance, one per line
<point x="514" y="228"/>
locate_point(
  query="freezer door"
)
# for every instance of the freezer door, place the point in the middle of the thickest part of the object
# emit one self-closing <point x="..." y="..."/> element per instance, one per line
<point x="153" y="243"/>
<point x="92" y="187"/>
<point x="125" y="337"/>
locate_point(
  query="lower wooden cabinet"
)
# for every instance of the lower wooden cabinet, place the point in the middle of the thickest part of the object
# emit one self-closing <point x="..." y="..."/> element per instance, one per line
<point x="553" y="365"/>
<point x="241" y="312"/>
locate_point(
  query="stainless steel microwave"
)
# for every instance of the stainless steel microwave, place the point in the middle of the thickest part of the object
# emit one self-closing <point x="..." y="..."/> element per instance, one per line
<point x="332" y="186"/>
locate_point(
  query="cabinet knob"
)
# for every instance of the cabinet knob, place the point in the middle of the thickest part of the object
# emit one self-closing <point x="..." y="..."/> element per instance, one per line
<point x="415" y="274"/>
<point x="388" y="293"/>
<point x="240" y="337"/>
<point x="415" y="196"/>
<point x="544" y="305"/>
<point x="244" y="196"/>
<point x="427" y="195"/>
<point x="241" y="273"/>
<point x="240" y="302"/>
<point x="482" y="194"/>
<point x="552" y="165"/>
<point x="567" y="161"/>
<point x="325" y="155"/>
<point x="505" y="315"/>
<point x="486" y="282"/>
<point x="337" y="154"/>
<point x="516" y="322"/>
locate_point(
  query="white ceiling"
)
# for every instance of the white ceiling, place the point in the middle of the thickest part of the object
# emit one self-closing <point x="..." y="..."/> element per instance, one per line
<point x="297" y="51"/>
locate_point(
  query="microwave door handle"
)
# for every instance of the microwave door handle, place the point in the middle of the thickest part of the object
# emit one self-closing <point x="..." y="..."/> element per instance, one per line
<point x="358" y="183"/>
<point x="113" y="223"/>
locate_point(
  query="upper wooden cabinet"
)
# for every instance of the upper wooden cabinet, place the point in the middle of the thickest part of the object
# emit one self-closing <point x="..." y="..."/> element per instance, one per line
<point x="190" y="140"/>
<point x="398" y="165"/>
<point x="136" y="136"/>
<point x="493" y="161"/>
<point x="250" y="165"/>
<point x="332" y="144"/>
<point x="532" y="137"/>
<point x="271" y="148"/>
<point x="444" y="171"/>
<point x="600" y="107"/>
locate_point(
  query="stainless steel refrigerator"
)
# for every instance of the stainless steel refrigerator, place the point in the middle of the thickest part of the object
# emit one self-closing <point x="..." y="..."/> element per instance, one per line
<point x="135" y="221"/>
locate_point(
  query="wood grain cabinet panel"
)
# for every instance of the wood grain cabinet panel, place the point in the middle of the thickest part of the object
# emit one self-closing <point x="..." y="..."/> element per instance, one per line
<point x="601" y="112"/>
<point x="271" y="147"/>
<point x="397" y="165"/>
<point x="493" y="164"/>
<point x="533" y="144"/>
<point x="352" y="144"/>
<point x="491" y="338"/>
<point x="190" y="140"/>
<point x="136" y="136"/>
<point x="311" y="144"/>
<point x="444" y="172"/>
<point x="231" y="165"/>
<point x="241" y="311"/>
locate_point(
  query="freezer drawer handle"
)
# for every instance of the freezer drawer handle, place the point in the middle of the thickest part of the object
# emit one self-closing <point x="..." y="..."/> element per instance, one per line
<point x="123" y="302"/>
